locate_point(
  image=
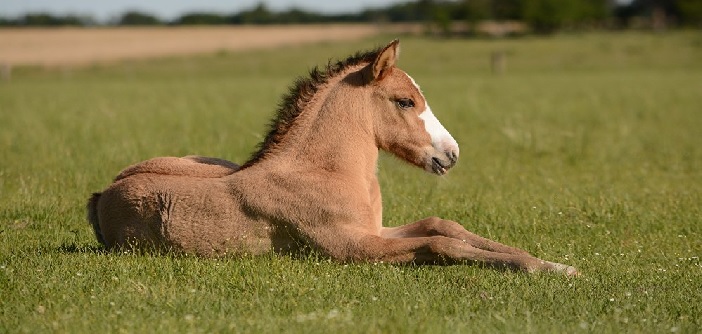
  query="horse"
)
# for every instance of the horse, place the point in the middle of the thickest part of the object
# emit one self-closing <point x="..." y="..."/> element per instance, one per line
<point x="312" y="184"/>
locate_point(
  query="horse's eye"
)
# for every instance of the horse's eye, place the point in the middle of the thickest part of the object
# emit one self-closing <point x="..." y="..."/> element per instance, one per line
<point x="405" y="103"/>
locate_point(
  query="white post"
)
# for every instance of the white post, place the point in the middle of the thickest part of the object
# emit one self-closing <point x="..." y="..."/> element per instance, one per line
<point x="498" y="62"/>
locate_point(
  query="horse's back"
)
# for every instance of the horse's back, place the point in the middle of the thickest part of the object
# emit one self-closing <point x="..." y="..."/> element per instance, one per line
<point x="192" y="165"/>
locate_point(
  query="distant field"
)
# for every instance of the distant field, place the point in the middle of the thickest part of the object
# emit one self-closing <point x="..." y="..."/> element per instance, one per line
<point x="586" y="151"/>
<point x="80" y="46"/>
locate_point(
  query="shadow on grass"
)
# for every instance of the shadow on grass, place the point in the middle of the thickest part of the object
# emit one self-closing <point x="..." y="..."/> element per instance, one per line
<point x="73" y="248"/>
<point x="304" y="254"/>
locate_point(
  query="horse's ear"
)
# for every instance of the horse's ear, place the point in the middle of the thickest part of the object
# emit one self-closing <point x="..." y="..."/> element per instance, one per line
<point x="385" y="60"/>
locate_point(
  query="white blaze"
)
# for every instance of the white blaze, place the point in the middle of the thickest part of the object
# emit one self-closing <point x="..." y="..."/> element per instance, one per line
<point x="441" y="139"/>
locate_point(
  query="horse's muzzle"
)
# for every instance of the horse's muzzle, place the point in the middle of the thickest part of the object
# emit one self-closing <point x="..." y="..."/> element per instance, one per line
<point x="443" y="161"/>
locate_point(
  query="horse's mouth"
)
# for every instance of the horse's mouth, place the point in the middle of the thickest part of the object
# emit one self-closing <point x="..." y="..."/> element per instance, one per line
<point x="441" y="164"/>
<point x="440" y="167"/>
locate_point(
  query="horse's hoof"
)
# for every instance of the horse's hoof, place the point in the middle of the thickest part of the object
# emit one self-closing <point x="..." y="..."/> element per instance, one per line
<point x="564" y="268"/>
<point x="572" y="272"/>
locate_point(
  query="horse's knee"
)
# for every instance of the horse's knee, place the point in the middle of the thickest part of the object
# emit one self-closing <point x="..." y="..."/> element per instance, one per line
<point x="438" y="226"/>
<point x="432" y="225"/>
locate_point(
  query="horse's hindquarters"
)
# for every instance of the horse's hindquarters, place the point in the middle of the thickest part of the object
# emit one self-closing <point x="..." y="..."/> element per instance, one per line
<point x="192" y="215"/>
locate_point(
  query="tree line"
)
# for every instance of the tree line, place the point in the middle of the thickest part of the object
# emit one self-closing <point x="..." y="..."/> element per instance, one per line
<point x="540" y="15"/>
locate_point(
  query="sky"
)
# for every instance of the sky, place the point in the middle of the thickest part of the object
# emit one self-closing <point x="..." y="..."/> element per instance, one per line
<point x="104" y="10"/>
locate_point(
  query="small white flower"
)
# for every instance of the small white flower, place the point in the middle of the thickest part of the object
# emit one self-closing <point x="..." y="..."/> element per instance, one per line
<point x="333" y="314"/>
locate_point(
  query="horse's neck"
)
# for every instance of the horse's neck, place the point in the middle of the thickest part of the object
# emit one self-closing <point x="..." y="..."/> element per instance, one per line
<point x="332" y="134"/>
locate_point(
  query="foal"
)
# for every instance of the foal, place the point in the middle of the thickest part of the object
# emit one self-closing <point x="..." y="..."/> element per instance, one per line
<point x="311" y="184"/>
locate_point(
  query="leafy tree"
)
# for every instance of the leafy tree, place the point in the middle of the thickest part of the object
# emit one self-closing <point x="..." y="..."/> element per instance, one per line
<point x="507" y="9"/>
<point x="40" y="19"/>
<point x="478" y="10"/>
<point x="296" y="15"/>
<point x="135" y="18"/>
<point x="685" y="12"/>
<point x="7" y="22"/>
<point x="690" y="12"/>
<point x="401" y="12"/>
<point x="201" y="18"/>
<point x="48" y="20"/>
<point x="546" y="16"/>
<point x="258" y="15"/>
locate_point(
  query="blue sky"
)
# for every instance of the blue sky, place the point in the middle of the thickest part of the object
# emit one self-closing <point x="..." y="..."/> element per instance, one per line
<point x="169" y="9"/>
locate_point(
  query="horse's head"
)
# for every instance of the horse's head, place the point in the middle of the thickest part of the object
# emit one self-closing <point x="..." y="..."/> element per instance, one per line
<point x="403" y="121"/>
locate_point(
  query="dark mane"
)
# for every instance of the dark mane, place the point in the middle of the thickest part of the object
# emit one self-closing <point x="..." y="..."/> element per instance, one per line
<point x="299" y="95"/>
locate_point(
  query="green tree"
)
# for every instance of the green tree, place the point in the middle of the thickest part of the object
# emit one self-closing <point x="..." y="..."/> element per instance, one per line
<point x="507" y="9"/>
<point x="201" y="18"/>
<point x="442" y="19"/>
<point x="690" y="12"/>
<point x="546" y="16"/>
<point x="134" y="18"/>
<point x="48" y="20"/>
<point x="258" y="15"/>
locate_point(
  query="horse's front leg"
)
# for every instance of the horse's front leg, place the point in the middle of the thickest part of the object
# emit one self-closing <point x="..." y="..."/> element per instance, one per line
<point x="433" y="226"/>
<point x="441" y="249"/>
<point x="482" y="248"/>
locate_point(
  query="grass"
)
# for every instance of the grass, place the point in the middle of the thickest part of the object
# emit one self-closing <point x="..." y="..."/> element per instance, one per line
<point x="586" y="151"/>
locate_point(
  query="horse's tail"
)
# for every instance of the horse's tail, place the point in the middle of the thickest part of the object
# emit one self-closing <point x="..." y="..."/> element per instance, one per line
<point x="93" y="216"/>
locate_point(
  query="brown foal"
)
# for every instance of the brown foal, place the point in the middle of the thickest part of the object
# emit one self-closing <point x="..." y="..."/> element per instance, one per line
<point x="312" y="183"/>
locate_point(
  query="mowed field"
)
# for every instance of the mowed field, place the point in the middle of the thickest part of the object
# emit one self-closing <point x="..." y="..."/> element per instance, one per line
<point x="585" y="151"/>
<point x="54" y="47"/>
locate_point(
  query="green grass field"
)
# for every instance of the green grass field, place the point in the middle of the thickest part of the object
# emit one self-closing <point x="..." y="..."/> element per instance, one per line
<point x="586" y="151"/>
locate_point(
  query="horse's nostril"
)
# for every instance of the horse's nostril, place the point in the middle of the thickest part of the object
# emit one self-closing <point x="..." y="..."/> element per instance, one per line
<point x="452" y="156"/>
